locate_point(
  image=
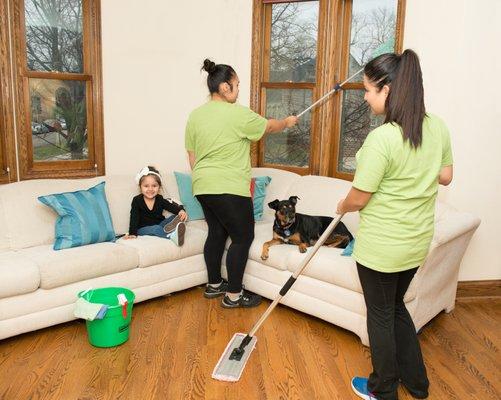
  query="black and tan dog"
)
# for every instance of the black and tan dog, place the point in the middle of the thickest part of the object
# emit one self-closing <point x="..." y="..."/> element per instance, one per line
<point x="301" y="229"/>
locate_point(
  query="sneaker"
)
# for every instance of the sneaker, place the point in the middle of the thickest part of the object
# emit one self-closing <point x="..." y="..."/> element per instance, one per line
<point x="359" y="386"/>
<point x="417" y="394"/>
<point x="178" y="235"/>
<point x="246" y="299"/>
<point x="212" y="292"/>
<point x="172" y="225"/>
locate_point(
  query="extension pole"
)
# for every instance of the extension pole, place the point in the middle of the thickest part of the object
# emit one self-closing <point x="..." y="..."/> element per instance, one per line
<point x="238" y="351"/>
<point x="336" y="88"/>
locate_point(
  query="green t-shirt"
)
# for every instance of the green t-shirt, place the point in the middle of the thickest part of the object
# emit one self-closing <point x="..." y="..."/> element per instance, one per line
<point x="396" y="225"/>
<point x="219" y="133"/>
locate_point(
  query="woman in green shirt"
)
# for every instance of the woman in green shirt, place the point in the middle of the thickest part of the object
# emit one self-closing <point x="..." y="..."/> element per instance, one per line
<point x="399" y="168"/>
<point x="218" y="137"/>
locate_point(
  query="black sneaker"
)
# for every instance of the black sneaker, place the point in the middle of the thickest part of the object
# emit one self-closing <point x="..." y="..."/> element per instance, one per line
<point x="171" y="225"/>
<point x="247" y="299"/>
<point x="213" y="292"/>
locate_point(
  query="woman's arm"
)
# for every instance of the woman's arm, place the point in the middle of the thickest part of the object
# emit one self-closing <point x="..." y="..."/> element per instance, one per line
<point x="355" y="201"/>
<point x="191" y="158"/>
<point x="445" y="176"/>
<point x="278" y="125"/>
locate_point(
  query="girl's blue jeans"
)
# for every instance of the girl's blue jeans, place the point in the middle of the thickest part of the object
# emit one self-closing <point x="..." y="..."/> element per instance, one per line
<point x="156" y="230"/>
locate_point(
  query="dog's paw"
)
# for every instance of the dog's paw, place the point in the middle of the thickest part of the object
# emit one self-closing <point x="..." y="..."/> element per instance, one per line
<point x="302" y="249"/>
<point x="264" y="256"/>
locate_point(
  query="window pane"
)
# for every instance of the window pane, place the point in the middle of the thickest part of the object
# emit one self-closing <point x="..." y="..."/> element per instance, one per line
<point x="293" y="54"/>
<point x="372" y="24"/>
<point x="292" y="146"/>
<point x="58" y="120"/>
<point x="54" y="35"/>
<point x="356" y="122"/>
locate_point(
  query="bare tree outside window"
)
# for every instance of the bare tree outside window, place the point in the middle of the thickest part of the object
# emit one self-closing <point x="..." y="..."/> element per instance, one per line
<point x="291" y="147"/>
<point x="373" y="24"/>
<point x="293" y="51"/>
<point x="293" y="54"/>
<point x="54" y="40"/>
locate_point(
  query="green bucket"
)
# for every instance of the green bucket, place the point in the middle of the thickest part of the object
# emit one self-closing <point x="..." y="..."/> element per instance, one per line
<point x="114" y="328"/>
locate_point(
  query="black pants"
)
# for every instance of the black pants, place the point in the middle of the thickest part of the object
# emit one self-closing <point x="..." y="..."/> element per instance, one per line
<point x="233" y="216"/>
<point x="395" y="351"/>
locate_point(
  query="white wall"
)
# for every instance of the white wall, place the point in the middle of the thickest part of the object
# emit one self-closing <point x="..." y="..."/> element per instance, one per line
<point x="153" y="51"/>
<point x="152" y="54"/>
<point x="458" y="43"/>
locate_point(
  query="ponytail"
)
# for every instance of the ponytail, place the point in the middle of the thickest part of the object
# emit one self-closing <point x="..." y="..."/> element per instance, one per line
<point x="405" y="102"/>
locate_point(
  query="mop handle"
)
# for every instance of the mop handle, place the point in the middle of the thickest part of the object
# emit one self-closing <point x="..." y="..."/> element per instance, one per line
<point x="336" y="88"/>
<point x="296" y="273"/>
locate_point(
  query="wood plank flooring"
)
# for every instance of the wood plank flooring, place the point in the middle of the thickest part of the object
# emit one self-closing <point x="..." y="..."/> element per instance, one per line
<point x="176" y="341"/>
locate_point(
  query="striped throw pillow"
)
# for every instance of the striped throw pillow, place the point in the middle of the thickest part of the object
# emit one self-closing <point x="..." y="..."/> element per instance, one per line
<point x="84" y="217"/>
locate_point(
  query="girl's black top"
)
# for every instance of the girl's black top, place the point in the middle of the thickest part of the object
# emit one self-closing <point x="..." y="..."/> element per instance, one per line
<point x="141" y="215"/>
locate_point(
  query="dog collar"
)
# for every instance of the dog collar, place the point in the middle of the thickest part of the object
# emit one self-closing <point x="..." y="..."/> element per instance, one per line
<point x="285" y="229"/>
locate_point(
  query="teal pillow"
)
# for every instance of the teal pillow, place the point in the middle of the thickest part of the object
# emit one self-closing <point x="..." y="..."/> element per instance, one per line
<point x="190" y="203"/>
<point x="84" y="217"/>
<point x="258" y="192"/>
<point x="193" y="207"/>
<point x="348" y="250"/>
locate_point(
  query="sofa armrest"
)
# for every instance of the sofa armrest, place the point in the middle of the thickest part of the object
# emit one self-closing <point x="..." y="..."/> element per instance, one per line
<point x="436" y="280"/>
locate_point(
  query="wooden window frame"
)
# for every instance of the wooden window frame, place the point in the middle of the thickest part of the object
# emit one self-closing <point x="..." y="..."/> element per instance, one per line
<point x="331" y="68"/>
<point x="8" y="169"/>
<point x="91" y="75"/>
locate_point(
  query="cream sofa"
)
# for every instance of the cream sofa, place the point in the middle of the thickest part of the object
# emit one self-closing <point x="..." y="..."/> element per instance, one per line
<point x="38" y="285"/>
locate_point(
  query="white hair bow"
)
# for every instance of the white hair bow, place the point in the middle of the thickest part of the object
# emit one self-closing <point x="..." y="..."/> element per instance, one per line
<point x="145" y="171"/>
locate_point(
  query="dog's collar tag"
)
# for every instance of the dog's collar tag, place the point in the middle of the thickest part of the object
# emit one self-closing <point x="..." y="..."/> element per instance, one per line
<point x="287" y="232"/>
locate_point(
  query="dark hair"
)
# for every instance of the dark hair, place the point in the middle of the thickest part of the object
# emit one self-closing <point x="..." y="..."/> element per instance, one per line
<point x="218" y="73"/>
<point x="156" y="177"/>
<point x="405" y="102"/>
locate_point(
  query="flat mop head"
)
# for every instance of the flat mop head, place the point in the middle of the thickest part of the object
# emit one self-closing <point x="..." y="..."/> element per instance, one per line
<point x="229" y="368"/>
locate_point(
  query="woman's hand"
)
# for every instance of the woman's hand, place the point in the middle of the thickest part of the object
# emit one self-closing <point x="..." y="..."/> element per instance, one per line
<point x="130" y="237"/>
<point x="290" y="121"/>
<point x="183" y="216"/>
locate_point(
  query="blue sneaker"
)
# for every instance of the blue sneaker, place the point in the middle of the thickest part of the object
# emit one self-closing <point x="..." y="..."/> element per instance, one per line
<point x="359" y="386"/>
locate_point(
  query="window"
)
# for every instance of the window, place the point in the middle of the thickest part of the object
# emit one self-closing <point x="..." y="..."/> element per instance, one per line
<point x="301" y="49"/>
<point x="56" y="61"/>
<point x="8" y="171"/>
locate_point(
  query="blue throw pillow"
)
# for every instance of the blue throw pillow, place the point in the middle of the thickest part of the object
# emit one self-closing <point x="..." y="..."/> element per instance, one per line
<point x="258" y="192"/>
<point x="191" y="204"/>
<point x="84" y="217"/>
<point x="348" y="250"/>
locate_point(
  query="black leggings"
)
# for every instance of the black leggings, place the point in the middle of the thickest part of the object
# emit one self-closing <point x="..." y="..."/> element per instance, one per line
<point x="233" y="216"/>
<point x="395" y="351"/>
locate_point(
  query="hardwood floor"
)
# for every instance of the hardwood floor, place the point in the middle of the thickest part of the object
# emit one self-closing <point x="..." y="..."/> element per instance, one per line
<point x="176" y="341"/>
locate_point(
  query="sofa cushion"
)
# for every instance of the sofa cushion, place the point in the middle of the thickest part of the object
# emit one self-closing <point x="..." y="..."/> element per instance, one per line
<point x="120" y="189"/>
<point x="154" y="250"/>
<point x="58" y="268"/>
<point x="39" y="218"/>
<point x="278" y="255"/>
<point x="280" y="182"/>
<point x="328" y="265"/>
<point x="18" y="275"/>
<point x="307" y="188"/>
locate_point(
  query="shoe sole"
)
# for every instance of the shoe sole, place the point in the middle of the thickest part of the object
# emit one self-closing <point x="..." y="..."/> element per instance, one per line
<point x="181" y="230"/>
<point x="224" y="305"/>
<point x="171" y="226"/>
<point x="363" y="396"/>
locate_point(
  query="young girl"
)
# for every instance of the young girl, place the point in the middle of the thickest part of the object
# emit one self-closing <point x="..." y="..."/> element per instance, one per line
<point x="146" y="217"/>
<point x="399" y="168"/>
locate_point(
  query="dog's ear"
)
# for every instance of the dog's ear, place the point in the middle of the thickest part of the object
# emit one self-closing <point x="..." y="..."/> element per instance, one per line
<point x="294" y="199"/>
<point x="274" y="204"/>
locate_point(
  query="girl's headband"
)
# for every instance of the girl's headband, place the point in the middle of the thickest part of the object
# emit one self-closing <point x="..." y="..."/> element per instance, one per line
<point x="144" y="172"/>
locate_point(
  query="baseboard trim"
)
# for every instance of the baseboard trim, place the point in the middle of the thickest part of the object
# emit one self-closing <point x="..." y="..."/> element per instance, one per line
<point x="478" y="289"/>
